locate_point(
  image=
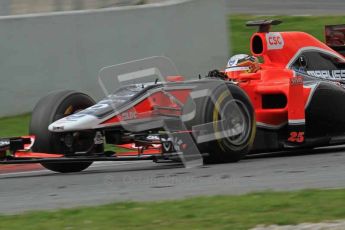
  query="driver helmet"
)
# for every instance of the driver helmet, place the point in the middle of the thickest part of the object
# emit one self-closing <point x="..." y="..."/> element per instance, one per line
<point x="242" y="63"/>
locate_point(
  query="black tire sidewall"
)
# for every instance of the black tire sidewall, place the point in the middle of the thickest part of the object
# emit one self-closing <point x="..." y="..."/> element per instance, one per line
<point x="49" y="109"/>
<point x="222" y="149"/>
<point x="204" y="114"/>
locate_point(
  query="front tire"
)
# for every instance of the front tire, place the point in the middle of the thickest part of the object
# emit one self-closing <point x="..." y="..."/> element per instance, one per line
<point x="220" y="106"/>
<point x="50" y="108"/>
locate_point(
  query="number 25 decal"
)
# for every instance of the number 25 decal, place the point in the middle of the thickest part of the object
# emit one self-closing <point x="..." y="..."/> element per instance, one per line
<point x="296" y="137"/>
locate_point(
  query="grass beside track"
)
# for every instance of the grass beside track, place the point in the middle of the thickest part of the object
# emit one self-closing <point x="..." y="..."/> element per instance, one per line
<point x="218" y="212"/>
<point x="14" y="126"/>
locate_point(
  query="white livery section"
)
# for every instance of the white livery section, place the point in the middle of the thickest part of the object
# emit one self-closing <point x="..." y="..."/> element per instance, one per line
<point x="82" y="122"/>
<point x="328" y="74"/>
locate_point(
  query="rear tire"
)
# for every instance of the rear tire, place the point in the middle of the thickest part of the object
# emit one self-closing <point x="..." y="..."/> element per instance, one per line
<point x="50" y="108"/>
<point x="226" y="149"/>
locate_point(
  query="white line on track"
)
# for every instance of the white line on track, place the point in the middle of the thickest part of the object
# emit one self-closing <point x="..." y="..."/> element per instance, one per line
<point x="94" y="165"/>
<point x="23" y="173"/>
<point x="105" y="163"/>
<point x="114" y="163"/>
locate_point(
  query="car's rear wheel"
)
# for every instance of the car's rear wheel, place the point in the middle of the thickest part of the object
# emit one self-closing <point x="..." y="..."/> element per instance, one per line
<point x="50" y="108"/>
<point x="227" y="103"/>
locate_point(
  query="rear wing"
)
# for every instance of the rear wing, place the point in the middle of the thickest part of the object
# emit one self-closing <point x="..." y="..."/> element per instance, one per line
<point x="335" y="37"/>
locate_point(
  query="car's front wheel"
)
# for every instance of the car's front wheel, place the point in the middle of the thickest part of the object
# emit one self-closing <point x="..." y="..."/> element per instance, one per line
<point x="50" y="108"/>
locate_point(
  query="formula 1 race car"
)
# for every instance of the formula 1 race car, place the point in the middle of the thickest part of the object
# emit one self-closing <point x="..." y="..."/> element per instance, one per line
<point x="291" y="100"/>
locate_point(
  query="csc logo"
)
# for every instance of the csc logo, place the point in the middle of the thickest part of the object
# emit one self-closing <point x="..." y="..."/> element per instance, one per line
<point x="274" y="41"/>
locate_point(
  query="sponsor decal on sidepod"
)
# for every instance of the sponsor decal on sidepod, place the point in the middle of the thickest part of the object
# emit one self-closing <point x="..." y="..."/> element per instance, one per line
<point x="274" y="41"/>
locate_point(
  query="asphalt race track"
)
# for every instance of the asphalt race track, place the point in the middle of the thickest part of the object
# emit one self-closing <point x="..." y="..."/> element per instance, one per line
<point x="120" y="181"/>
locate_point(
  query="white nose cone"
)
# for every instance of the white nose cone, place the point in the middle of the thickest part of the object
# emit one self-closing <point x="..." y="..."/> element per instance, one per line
<point x="74" y="122"/>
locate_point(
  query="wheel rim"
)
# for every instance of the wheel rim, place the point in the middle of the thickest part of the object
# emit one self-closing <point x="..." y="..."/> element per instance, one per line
<point x="236" y="120"/>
